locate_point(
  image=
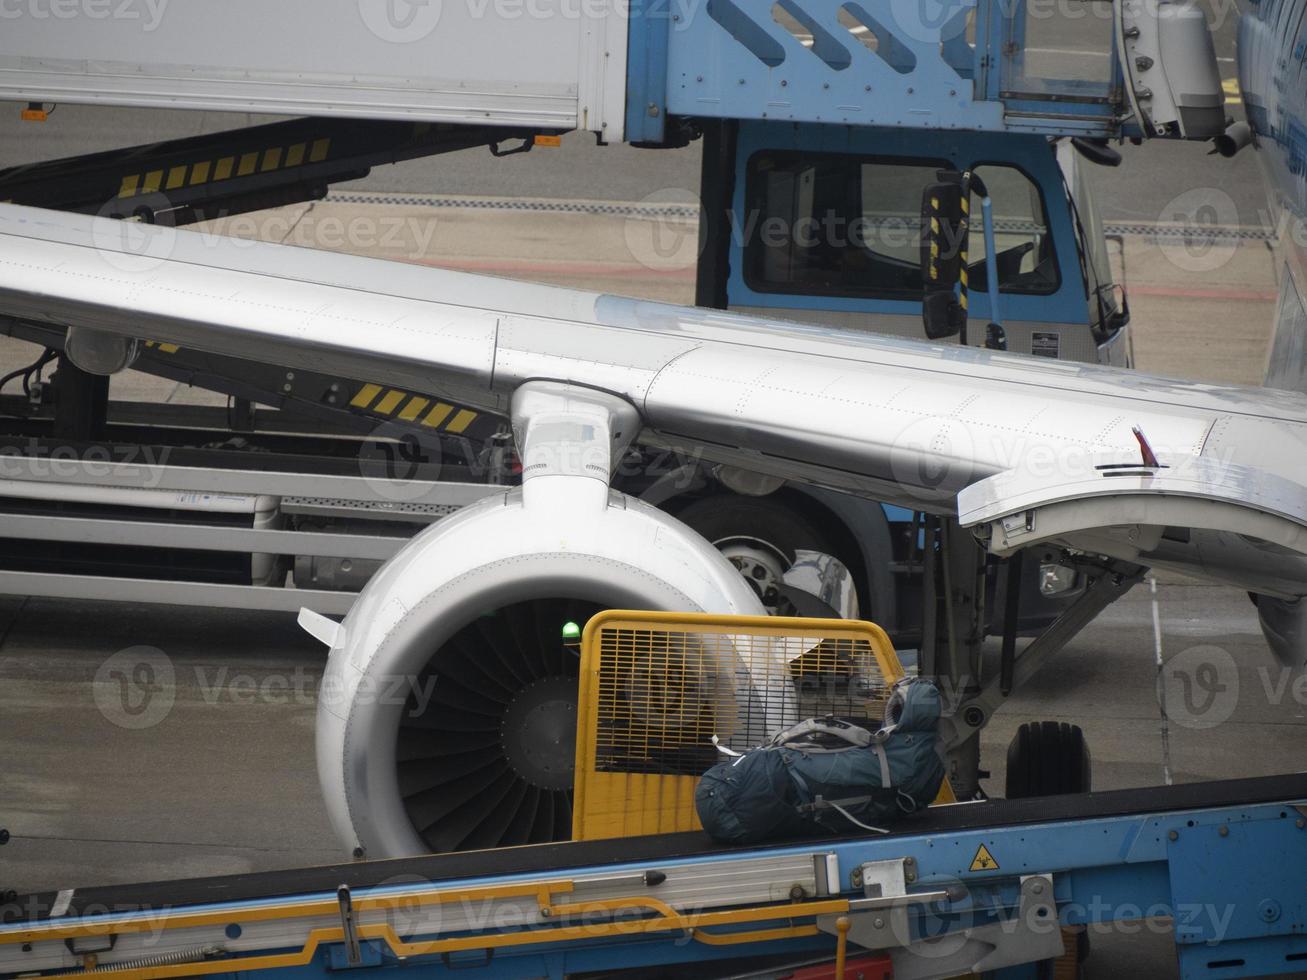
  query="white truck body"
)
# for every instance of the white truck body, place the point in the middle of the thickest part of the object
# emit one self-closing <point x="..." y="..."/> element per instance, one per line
<point x="432" y="60"/>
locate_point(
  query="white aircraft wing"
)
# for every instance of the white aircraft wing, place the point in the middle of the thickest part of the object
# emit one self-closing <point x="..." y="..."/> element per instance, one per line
<point x="1025" y="450"/>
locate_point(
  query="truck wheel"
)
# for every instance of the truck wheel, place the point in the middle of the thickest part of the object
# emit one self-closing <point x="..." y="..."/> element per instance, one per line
<point x="1048" y="758"/>
<point x="759" y="535"/>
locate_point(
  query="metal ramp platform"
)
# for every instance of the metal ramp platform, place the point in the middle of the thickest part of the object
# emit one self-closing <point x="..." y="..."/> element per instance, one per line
<point x="621" y="69"/>
<point x="939" y="64"/>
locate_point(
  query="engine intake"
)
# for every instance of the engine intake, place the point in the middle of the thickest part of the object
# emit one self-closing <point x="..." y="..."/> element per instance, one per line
<point x="448" y="705"/>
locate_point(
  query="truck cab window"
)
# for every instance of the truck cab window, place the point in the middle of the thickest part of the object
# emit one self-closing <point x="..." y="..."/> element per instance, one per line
<point x="845" y="225"/>
<point x="1025" y="250"/>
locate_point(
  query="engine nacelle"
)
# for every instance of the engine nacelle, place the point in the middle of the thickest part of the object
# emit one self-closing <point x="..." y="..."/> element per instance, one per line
<point x="447" y="716"/>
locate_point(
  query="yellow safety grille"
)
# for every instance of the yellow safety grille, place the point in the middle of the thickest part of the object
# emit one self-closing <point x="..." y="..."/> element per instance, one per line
<point x="656" y="688"/>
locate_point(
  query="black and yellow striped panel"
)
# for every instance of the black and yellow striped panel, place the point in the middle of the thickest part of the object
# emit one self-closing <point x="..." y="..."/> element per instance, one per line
<point x="224" y="168"/>
<point x="405" y="406"/>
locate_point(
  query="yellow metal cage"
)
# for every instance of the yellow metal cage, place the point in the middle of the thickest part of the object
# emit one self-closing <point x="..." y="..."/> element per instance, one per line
<point x="657" y="688"/>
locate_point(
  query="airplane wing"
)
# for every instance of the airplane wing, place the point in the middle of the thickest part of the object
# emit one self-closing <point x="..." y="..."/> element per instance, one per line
<point x="1026" y="451"/>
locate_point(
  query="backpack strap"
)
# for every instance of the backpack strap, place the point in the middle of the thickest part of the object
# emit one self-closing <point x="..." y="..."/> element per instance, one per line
<point x="816" y="734"/>
<point x="886" y="780"/>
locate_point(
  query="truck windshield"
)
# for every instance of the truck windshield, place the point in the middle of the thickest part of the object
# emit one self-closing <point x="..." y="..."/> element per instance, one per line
<point x="845" y="225"/>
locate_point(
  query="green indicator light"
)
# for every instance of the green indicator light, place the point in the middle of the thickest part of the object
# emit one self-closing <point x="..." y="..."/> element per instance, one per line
<point x="571" y="631"/>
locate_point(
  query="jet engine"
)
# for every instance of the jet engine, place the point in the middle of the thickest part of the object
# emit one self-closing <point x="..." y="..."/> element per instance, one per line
<point x="447" y="712"/>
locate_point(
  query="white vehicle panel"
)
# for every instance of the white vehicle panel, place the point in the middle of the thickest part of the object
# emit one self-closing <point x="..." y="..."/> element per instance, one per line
<point x="548" y="64"/>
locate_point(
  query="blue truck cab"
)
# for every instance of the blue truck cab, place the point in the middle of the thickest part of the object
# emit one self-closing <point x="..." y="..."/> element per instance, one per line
<point x="826" y="228"/>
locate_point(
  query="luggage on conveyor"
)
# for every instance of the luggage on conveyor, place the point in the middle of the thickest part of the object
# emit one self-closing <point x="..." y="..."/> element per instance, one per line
<point x="825" y="775"/>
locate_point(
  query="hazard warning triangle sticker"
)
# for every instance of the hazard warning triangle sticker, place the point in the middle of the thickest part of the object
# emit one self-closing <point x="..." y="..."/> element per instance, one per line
<point x="983" y="861"/>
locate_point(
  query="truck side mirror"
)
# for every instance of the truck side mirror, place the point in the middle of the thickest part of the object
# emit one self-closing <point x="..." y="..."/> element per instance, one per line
<point x="944" y="222"/>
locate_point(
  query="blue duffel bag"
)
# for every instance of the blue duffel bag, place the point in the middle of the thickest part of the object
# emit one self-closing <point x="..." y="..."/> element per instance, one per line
<point x="825" y="775"/>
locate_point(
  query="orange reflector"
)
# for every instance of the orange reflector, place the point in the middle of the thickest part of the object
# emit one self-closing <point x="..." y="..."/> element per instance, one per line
<point x="554" y="141"/>
<point x="35" y="115"/>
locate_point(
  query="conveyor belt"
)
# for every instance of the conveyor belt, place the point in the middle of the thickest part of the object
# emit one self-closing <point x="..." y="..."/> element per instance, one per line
<point x="592" y="854"/>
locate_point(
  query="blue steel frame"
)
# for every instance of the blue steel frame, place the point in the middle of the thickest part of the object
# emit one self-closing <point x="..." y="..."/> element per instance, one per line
<point x="730" y="59"/>
<point x="1230" y="878"/>
<point x="1029" y="153"/>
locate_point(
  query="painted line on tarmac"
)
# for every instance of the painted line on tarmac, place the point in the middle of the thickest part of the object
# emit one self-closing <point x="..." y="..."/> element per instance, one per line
<point x="639" y="209"/>
<point x="1187" y="292"/>
<point x="496" y="267"/>
<point x="1161" y="686"/>
<point x="624" y="209"/>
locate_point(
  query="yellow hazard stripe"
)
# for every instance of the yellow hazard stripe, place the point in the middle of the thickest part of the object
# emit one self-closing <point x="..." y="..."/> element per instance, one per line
<point x="202" y="171"/>
<point x="414" y="408"/>
<point x="381" y="400"/>
<point x="389" y="402"/>
<point x="437" y="415"/>
<point x="461" y="421"/>
<point x="365" y="395"/>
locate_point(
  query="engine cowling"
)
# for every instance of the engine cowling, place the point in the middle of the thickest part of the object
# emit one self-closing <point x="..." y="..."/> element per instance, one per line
<point x="447" y="714"/>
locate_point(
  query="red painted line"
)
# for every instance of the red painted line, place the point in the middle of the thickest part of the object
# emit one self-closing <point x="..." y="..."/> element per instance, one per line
<point x="1249" y="295"/>
<point x="632" y="270"/>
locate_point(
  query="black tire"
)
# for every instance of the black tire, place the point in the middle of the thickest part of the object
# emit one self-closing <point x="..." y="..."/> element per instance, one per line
<point x="764" y="525"/>
<point x="1048" y="758"/>
<point x="771" y="520"/>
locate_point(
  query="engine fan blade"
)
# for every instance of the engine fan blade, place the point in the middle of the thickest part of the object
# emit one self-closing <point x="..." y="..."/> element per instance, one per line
<point x="489" y="760"/>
